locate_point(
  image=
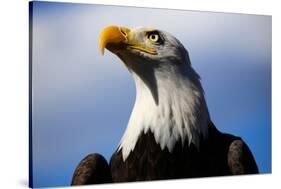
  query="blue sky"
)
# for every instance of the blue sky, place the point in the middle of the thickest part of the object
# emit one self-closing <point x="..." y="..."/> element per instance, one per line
<point x="82" y="100"/>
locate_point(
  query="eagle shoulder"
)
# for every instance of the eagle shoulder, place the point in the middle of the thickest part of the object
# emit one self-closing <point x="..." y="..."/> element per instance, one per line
<point x="240" y="159"/>
<point x="93" y="169"/>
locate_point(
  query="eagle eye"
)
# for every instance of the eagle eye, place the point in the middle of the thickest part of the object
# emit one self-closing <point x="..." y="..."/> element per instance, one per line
<point x="154" y="37"/>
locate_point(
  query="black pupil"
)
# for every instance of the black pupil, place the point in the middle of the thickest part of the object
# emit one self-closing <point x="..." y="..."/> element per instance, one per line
<point x="153" y="37"/>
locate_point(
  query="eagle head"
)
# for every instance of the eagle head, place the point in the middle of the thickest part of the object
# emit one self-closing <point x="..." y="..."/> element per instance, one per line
<point x="150" y="54"/>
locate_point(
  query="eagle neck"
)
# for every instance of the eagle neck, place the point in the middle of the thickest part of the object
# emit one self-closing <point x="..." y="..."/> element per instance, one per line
<point x="179" y="114"/>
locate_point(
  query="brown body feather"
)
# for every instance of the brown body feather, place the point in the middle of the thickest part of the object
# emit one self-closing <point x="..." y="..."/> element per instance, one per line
<point x="220" y="154"/>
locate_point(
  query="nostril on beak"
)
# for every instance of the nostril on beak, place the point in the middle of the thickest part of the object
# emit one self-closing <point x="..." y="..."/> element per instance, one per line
<point x="123" y="32"/>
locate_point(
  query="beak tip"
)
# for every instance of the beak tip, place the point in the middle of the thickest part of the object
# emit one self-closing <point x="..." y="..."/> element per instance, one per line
<point x="101" y="48"/>
<point x="102" y="51"/>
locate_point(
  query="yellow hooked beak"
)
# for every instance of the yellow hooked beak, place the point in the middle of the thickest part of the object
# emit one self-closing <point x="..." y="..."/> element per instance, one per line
<point x="117" y="39"/>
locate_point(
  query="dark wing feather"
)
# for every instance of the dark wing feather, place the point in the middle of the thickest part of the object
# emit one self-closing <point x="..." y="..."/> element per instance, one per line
<point x="93" y="169"/>
<point x="240" y="159"/>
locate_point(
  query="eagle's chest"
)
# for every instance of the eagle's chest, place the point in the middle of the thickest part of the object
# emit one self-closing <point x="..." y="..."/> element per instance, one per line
<point x="149" y="162"/>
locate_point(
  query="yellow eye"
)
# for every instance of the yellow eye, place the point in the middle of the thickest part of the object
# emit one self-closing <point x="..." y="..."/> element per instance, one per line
<point x="153" y="37"/>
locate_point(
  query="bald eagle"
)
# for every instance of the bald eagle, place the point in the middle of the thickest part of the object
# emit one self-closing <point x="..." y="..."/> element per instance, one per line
<point x="170" y="133"/>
